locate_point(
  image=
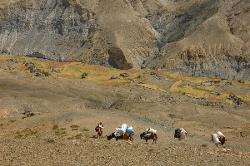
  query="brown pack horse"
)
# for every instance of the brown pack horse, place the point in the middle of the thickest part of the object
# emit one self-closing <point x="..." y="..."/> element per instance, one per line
<point x="126" y="136"/>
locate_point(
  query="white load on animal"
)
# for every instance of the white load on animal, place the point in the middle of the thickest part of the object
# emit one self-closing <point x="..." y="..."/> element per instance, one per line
<point x="121" y="130"/>
<point x="220" y="134"/>
<point x="151" y="130"/>
<point x="215" y="139"/>
<point x="118" y="132"/>
<point x="124" y="127"/>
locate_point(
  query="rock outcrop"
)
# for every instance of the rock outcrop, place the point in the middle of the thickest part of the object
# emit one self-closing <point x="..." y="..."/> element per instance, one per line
<point x="53" y="29"/>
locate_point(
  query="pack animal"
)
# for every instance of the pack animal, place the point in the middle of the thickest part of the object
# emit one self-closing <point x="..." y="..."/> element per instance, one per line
<point x="180" y="133"/>
<point x="218" y="138"/>
<point x="126" y="137"/>
<point x="147" y="136"/>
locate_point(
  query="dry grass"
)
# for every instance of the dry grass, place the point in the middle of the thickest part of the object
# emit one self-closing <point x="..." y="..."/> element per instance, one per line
<point x="185" y="85"/>
<point x="245" y="97"/>
<point x="179" y="87"/>
<point x="71" y="70"/>
<point x="178" y="76"/>
<point x="152" y="87"/>
<point x="206" y="92"/>
<point x="25" y="133"/>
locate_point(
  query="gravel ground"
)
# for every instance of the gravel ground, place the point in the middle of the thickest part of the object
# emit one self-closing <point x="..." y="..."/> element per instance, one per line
<point x="102" y="152"/>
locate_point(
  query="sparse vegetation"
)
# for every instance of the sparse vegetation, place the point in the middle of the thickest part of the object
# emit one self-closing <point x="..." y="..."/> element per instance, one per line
<point x="55" y="127"/>
<point x="74" y="127"/>
<point x="77" y="136"/>
<point x="44" y="73"/>
<point x="60" y="132"/>
<point x="25" y="133"/>
<point x="12" y="120"/>
<point x="27" y="112"/>
<point x="84" y="129"/>
<point x="84" y="75"/>
<point x="50" y="140"/>
<point x="183" y="93"/>
<point x="235" y="99"/>
<point x="197" y="87"/>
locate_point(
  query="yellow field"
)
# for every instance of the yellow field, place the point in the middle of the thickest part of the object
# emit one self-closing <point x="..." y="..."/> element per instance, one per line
<point x="185" y="85"/>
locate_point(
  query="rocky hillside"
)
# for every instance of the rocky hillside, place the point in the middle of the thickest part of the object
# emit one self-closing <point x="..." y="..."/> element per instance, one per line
<point x="206" y="38"/>
<point x="59" y="30"/>
<point x="198" y="37"/>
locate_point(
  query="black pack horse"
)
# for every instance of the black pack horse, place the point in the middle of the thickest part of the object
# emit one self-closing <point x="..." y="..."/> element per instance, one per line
<point x="180" y="133"/>
<point x="147" y="136"/>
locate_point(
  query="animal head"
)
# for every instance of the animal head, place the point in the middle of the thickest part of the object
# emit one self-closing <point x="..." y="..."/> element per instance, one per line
<point x="177" y="133"/>
<point x="222" y="140"/>
<point x="142" y="135"/>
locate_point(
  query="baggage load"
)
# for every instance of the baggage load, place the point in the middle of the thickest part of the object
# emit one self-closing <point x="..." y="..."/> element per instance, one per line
<point x="119" y="132"/>
<point x="124" y="126"/>
<point x="123" y="129"/>
<point x="220" y="134"/>
<point x="183" y="131"/>
<point x="151" y="130"/>
<point x="215" y="138"/>
<point x="130" y="130"/>
<point x="147" y="134"/>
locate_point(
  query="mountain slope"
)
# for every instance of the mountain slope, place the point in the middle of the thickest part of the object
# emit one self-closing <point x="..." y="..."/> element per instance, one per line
<point x="215" y="47"/>
<point x="198" y="37"/>
<point x="50" y="29"/>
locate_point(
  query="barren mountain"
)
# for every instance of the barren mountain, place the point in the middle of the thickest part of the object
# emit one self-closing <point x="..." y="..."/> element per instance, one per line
<point x="198" y="37"/>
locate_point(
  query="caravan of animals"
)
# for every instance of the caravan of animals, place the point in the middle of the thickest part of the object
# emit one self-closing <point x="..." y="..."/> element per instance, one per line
<point x="126" y="132"/>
